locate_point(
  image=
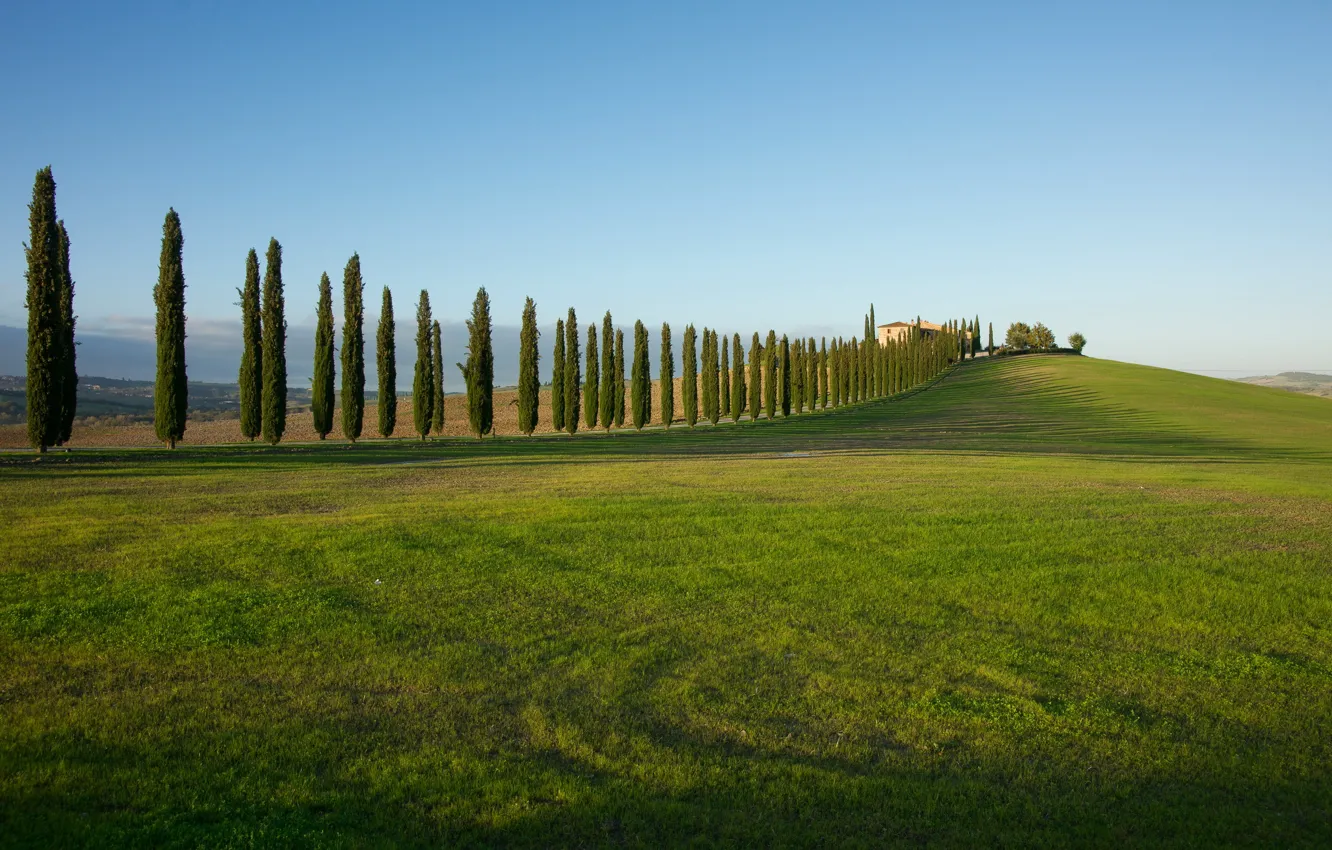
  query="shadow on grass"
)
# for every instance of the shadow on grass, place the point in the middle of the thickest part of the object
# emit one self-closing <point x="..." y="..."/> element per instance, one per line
<point x="230" y="786"/>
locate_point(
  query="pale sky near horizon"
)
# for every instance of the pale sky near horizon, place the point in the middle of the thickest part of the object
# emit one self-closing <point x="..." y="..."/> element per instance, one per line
<point x="1156" y="176"/>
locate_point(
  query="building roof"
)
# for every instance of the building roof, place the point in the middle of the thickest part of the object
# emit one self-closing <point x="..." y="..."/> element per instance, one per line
<point x="929" y="326"/>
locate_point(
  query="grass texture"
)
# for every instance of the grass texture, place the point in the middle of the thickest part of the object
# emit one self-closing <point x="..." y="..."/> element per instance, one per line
<point x="1046" y="601"/>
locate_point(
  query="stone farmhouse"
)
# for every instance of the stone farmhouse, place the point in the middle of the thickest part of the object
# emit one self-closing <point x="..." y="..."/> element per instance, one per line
<point x="898" y="331"/>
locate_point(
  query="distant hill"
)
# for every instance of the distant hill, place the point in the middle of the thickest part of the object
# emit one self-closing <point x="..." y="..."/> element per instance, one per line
<point x="115" y="400"/>
<point x="1309" y="383"/>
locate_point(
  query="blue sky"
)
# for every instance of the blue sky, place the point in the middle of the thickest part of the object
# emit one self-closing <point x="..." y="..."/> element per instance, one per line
<point x="1157" y="176"/>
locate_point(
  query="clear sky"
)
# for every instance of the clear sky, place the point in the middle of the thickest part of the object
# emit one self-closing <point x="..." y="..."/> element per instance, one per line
<point x="1155" y="175"/>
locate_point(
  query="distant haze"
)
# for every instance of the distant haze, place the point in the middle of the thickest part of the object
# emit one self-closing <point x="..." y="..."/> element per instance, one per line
<point x="125" y="349"/>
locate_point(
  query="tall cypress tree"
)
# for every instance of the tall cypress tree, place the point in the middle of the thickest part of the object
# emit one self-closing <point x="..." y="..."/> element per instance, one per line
<point x="823" y="373"/>
<point x="557" y="379"/>
<point x="43" y="362"/>
<point x="572" y="373"/>
<point x="689" y="376"/>
<point x="387" y="360"/>
<point x="529" y="376"/>
<point x="737" y="378"/>
<point x="667" y="377"/>
<point x="353" y="348"/>
<point x="975" y="336"/>
<point x="797" y="376"/>
<point x="479" y="373"/>
<point x="437" y="372"/>
<point x="423" y="378"/>
<point x="43" y="303"/>
<point x="724" y="380"/>
<point x="251" y="377"/>
<point x="755" y="377"/>
<point x="607" y="395"/>
<point x="640" y="384"/>
<point x="171" y="391"/>
<point x="321" y="386"/>
<point x="712" y="375"/>
<point x="707" y="380"/>
<point x="811" y="375"/>
<point x="592" y="381"/>
<point x="786" y="376"/>
<point x="835" y="372"/>
<point x="274" y="422"/>
<point x="862" y="371"/>
<point x="770" y="356"/>
<point x="619" y="378"/>
<point x="69" y="376"/>
<point x="989" y="349"/>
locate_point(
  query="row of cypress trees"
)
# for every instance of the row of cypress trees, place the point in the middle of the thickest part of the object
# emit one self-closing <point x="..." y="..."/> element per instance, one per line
<point x="588" y="389"/>
<point x="794" y="377"/>
<point x="263" y="364"/>
<point x="52" y="376"/>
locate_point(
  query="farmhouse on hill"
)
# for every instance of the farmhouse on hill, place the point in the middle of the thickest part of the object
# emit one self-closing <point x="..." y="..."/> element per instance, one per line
<point x="897" y="331"/>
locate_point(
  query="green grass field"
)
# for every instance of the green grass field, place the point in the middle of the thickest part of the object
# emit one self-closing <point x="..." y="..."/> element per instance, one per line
<point x="1049" y="600"/>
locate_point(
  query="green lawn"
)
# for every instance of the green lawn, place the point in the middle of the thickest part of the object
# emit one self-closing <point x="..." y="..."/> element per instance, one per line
<point x="1049" y="600"/>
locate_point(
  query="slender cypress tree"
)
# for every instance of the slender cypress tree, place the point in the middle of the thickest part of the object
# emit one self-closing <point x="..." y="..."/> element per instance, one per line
<point x="387" y="359"/>
<point x="69" y="376"/>
<point x="171" y="392"/>
<point x="667" y="377"/>
<point x="862" y="371"/>
<point x="786" y="377"/>
<point x="423" y="378"/>
<point x="689" y="376"/>
<point x="437" y="372"/>
<point x="251" y="377"/>
<point x="755" y="377"/>
<point x="529" y="377"/>
<point x="557" y="379"/>
<point x="44" y="324"/>
<point x="607" y="396"/>
<point x="737" y="378"/>
<point x="592" y="382"/>
<point x="712" y="376"/>
<point x="823" y="372"/>
<point x="811" y="375"/>
<point x="321" y="386"/>
<point x="640" y="383"/>
<point x="572" y="373"/>
<point x="274" y="422"/>
<point x="798" y="376"/>
<point x="619" y="378"/>
<point x="770" y="355"/>
<point x="989" y="349"/>
<point x="707" y="378"/>
<point x="835" y="373"/>
<point x="479" y="373"/>
<point x="844" y="373"/>
<point x="43" y="279"/>
<point x="724" y="381"/>
<point x="975" y="337"/>
<point x="353" y="348"/>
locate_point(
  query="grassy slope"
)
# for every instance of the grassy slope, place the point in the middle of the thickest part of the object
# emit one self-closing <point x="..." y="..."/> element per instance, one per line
<point x="1048" y="600"/>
